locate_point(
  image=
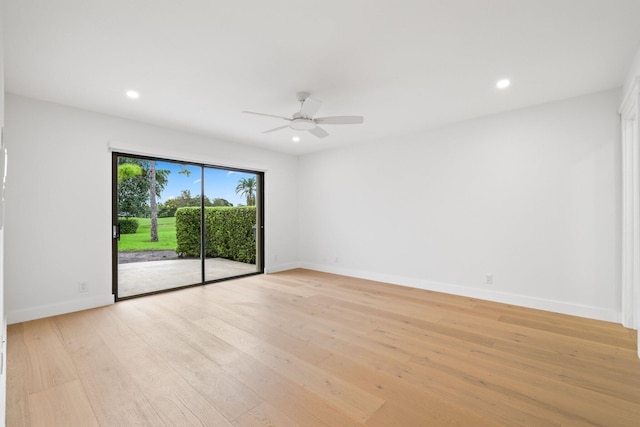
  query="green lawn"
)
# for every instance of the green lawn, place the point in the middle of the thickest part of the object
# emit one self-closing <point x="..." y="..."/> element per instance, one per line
<point x="141" y="241"/>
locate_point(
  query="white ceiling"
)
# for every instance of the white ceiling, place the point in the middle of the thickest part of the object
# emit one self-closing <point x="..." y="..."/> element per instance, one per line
<point x="405" y="65"/>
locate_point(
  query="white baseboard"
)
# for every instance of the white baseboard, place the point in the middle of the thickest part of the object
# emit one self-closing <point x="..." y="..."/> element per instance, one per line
<point x="16" y="316"/>
<point x="281" y="267"/>
<point x="590" y="312"/>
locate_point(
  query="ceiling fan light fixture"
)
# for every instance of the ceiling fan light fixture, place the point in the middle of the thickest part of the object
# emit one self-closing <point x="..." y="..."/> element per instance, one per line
<point x="302" y="124"/>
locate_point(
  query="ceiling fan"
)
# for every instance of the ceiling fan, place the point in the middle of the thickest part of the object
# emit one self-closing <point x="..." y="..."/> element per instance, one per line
<point x="303" y="119"/>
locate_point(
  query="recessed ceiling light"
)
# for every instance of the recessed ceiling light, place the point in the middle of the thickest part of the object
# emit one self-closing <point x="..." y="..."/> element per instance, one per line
<point x="296" y="138"/>
<point x="133" y="94"/>
<point x="503" y="84"/>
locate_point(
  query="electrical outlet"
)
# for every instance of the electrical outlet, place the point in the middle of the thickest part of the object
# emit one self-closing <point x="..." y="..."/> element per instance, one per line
<point x="83" y="287"/>
<point x="488" y="279"/>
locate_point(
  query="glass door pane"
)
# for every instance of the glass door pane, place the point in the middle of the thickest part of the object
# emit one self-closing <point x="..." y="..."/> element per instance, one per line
<point x="149" y="259"/>
<point x="231" y="223"/>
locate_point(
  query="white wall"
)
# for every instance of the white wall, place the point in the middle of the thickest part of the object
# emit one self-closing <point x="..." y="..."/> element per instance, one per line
<point x="58" y="217"/>
<point x="531" y="197"/>
<point x="633" y="73"/>
<point x="3" y="318"/>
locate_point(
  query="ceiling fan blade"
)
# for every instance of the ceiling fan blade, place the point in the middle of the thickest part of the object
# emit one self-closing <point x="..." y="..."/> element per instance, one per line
<point x="340" y="120"/>
<point x="266" y="115"/>
<point x="310" y="106"/>
<point x="275" y="129"/>
<point x="319" y="132"/>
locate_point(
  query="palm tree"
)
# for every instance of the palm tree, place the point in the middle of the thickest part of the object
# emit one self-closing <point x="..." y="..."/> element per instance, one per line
<point x="247" y="187"/>
<point x="152" y="201"/>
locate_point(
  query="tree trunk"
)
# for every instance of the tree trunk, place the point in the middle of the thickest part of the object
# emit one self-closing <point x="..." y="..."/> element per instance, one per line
<point x="152" y="201"/>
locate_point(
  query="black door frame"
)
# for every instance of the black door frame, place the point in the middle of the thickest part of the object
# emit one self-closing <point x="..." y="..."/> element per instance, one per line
<point x="260" y="256"/>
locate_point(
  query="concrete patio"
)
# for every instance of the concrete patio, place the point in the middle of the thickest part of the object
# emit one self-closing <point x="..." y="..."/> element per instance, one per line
<point x="137" y="278"/>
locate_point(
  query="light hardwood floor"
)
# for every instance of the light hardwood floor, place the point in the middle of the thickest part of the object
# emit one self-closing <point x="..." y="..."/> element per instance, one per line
<point x="302" y="348"/>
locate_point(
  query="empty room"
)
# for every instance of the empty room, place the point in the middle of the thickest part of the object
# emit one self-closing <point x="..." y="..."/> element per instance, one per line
<point x="336" y="213"/>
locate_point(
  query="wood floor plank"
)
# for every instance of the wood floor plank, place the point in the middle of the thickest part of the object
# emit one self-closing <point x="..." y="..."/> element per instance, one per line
<point x="17" y="390"/>
<point x="400" y="414"/>
<point x="531" y="393"/>
<point x="63" y="405"/>
<point x="417" y="403"/>
<point x="578" y="350"/>
<point x="230" y="397"/>
<point x="48" y="363"/>
<point x="602" y="335"/>
<point x="453" y="388"/>
<point x="170" y="313"/>
<point x="264" y="415"/>
<point x="175" y="400"/>
<point x="243" y="316"/>
<point x="623" y="387"/>
<point x="115" y="397"/>
<point x="360" y="405"/>
<point x="295" y="401"/>
<point x="304" y="348"/>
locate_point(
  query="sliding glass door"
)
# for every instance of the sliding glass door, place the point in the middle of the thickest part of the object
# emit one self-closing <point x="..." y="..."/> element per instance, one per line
<point x="231" y="225"/>
<point x="183" y="224"/>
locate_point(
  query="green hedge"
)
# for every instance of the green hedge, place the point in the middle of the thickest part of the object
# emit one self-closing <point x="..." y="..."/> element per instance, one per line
<point x="128" y="225"/>
<point x="228" y="232"/>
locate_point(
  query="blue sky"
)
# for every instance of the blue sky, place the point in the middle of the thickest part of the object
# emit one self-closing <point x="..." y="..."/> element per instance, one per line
<point x="218" y="182"/>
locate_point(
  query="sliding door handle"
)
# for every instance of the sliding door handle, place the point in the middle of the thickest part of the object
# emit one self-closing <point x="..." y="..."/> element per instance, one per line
<point x="116" y="231"/>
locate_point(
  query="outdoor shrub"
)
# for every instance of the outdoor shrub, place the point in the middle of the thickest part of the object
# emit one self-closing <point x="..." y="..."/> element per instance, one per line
<point x="229" y="232"/>
<point x="128" y="225"/>
<point x="188" y="231"/>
